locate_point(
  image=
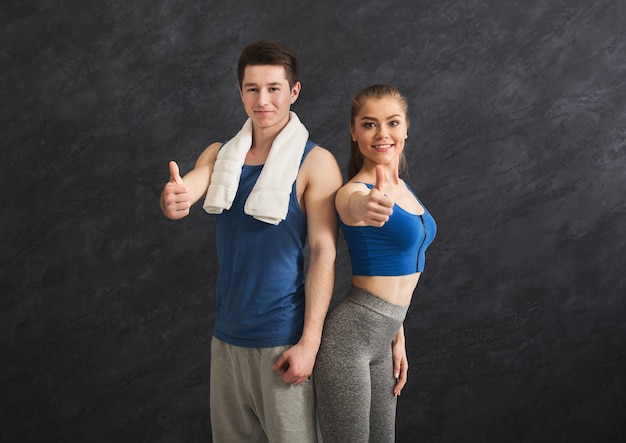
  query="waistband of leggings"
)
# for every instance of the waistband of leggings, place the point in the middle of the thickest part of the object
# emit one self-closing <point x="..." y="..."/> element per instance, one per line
<point x="371" y="301"/>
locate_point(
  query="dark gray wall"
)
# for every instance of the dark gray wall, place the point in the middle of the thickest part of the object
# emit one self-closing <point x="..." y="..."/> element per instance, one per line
<point x="517" y="331"/>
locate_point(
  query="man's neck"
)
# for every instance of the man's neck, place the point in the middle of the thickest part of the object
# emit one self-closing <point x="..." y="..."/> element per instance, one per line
<point x="261" y="144"/>
<point x="262" y="138"/>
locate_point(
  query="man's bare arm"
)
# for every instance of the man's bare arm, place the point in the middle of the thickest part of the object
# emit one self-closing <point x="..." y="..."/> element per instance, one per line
<point x="323" y="178"/>
<point x="180" y="193"/>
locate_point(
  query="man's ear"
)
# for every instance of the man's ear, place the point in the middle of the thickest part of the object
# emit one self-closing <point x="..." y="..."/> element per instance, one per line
<point x="295" y="92"/>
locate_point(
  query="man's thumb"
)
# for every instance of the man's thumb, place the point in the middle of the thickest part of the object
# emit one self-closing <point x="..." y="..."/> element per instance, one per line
<point x="175" y="173"/>
<point x="280" y="362"/>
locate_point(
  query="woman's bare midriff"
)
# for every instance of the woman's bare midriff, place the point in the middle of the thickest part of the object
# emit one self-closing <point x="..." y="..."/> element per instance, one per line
<point x="397" y="289"/>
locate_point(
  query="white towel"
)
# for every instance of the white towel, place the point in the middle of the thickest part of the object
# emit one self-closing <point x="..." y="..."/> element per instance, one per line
<point x="269" y="199"/>
<point x="227" y="170"/>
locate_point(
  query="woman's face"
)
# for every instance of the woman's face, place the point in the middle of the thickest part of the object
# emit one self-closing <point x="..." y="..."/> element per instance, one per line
<point x="380" y="129"/>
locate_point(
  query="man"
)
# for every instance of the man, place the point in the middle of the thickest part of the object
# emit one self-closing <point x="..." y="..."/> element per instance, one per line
<point x="269" y="316"/>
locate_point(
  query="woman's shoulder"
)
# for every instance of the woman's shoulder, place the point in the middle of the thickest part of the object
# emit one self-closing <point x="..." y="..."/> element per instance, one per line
<point x="355" y="185"/>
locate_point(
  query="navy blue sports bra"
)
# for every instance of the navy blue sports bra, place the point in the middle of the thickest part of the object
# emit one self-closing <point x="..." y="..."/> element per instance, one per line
<point x="396" y="248"/>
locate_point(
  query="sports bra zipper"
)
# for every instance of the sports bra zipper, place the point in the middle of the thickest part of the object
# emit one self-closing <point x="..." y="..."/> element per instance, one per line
<point x="419" y="250"/>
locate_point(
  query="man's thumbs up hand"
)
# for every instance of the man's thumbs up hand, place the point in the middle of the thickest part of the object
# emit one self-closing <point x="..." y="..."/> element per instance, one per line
<point x="175" y="199"/>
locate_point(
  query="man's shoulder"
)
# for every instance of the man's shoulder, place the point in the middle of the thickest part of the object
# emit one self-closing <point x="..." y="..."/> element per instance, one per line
<point x="320" y="166"/>
<point x="208" y="156"/>
<point x="317" y="156"/>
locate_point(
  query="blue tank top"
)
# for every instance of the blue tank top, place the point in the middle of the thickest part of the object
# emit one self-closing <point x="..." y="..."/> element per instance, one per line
<point x="396" y="248"/>
<point x="260" y="283"/>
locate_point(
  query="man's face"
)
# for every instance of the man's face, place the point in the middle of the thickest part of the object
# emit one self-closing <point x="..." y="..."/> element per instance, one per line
<point x="266" y="95"/>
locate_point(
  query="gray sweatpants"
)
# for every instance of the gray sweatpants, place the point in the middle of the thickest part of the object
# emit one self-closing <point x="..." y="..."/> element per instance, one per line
<point x="354" y="370"/>
<point x="249" y="401"/>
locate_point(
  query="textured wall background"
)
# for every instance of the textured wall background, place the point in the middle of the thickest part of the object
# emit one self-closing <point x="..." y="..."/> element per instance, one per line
<point x="517" y="331"/>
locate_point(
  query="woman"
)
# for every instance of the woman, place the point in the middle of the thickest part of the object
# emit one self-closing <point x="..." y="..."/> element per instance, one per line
<point x="361" y="366"/>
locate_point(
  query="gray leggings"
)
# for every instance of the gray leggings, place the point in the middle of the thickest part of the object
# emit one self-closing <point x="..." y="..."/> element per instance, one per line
<point x="354" y="370"/>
